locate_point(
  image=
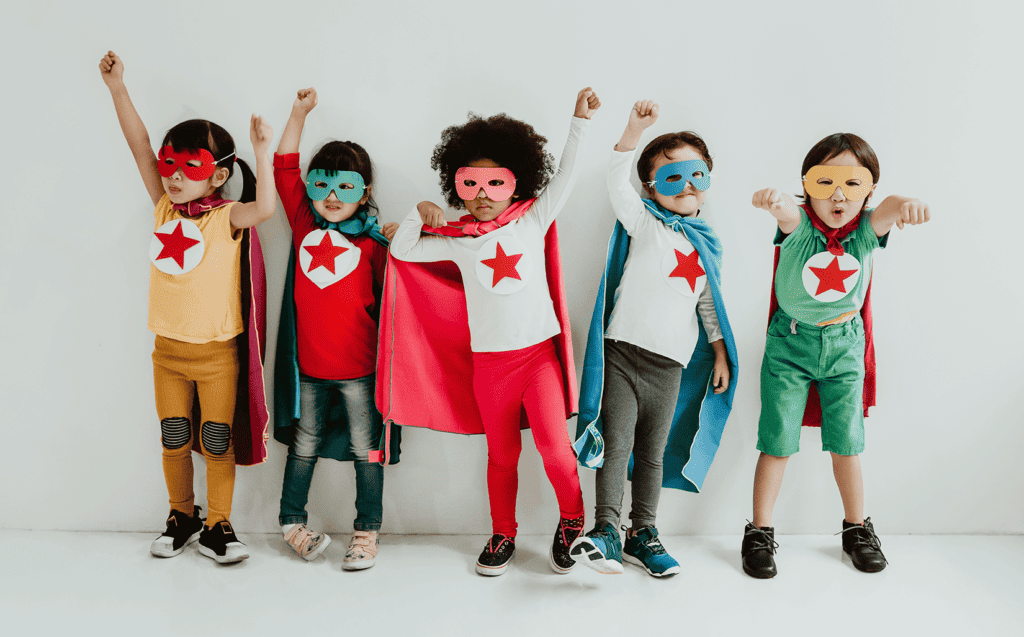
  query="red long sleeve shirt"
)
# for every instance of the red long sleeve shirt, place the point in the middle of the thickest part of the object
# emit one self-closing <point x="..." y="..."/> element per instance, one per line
<point x="338" y="280"/>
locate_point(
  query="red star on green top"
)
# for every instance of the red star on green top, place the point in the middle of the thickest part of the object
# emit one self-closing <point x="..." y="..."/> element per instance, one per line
<point x="504" y="265"/>
<point x="688" y="268"/>
<point x="831" y="277"/>
<point x="324" y="254"/>
<point x="175" y="243"/>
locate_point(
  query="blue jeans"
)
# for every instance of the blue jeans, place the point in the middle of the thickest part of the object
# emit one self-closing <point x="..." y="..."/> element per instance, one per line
<point x="322" y="404"/>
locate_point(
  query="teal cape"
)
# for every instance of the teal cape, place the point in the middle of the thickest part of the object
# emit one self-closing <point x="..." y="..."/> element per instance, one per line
<point x="700" y="413"/>
<point x="287" y="406"/>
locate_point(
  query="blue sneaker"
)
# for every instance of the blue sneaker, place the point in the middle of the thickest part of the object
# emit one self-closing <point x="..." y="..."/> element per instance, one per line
<point x="645" y="549"/>
<point x="601" y="550"/>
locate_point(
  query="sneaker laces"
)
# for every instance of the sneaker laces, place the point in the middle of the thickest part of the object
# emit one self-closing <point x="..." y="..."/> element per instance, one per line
<point x="761" y="538"/>
<point x="490" y="543"/>
<point x="574" y="525"/>
<point x="865" y="536"/>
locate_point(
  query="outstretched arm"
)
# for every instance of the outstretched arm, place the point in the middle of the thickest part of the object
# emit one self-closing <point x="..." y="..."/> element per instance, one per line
<point x="898" y="210"/>
<point x="643" y="115"/>
<point x="112" y="72"/>
<point x="628" y="207"/>
<point x="552" y="200"/>
<point x="305" y="101"/>
<point x="246" y="215"/>
<point x="780" y="205"/>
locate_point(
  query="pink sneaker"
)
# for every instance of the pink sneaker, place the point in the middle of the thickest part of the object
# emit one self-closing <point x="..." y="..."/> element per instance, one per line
<point x="362" y="551"/>
<point x="308" y="544"/>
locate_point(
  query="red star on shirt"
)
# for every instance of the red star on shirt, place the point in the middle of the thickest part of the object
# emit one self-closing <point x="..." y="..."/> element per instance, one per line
<point x="504" y="265"/>
<point x="324" y="254"/>
<point x="688" y="268"/>
<point x="831" y="277"/>
<point x="175" y="243"/>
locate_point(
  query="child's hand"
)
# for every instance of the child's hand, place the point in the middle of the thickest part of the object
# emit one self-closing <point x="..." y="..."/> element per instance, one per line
<point x="769" y="199"/>
<point x="720" y="377"/>
<point x="431" y="214"/>
<point x="643" y="115"/>
<point x="305" y="100"/>
<point x="261" y="134"/>
<point x="913" y="212"/>
<point x="586" y="103"/>
<point x="111" y="69"/>
<point x="389" y="230"/>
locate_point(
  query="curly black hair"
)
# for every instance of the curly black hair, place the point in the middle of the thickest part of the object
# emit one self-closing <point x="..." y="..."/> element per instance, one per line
<point x="508" y="142"/>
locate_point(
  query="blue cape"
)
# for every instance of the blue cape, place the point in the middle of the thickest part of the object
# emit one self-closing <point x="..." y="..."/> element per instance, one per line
<point x="700" y="413"/>
<point x="287" y="406"/>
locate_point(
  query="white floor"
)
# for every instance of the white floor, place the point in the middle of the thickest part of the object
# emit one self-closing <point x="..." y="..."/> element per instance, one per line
<point x="63" y="583"/>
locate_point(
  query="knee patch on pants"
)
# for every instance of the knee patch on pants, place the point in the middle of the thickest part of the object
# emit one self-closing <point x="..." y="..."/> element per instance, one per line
<point x="175" y="432"/>
<point x="216" y="437"/>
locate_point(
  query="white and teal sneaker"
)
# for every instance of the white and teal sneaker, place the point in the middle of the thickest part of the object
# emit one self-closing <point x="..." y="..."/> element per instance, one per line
<point x="645" y="549"/>
<point x="601" y="550"/>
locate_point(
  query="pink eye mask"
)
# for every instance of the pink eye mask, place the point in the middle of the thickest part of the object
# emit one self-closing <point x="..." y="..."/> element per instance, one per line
<point x="498" y="184"/>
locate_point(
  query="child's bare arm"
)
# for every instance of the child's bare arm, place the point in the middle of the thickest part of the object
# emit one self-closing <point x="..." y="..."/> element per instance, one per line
<point x="112" y="72"/>
<point x="643" y="115"/>
<point x="249" y="214"/>
<point x="305" y="101"/>
<point x="780" y="205"/>
<point x="720" y="376"/>
<point x="898" y="210"/>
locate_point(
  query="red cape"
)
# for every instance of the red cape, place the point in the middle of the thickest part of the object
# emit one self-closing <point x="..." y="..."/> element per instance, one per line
<point x="812" y="414"/>
<point x="424" y="360"/>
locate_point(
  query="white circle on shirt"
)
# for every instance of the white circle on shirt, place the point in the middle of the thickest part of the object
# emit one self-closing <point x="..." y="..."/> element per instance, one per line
<point x="678" y="275"/>
<point x="844" y="273"/>
<point x="343" y="263"/>
<point x="507" y="260"/>
<point x="178" y="247"/>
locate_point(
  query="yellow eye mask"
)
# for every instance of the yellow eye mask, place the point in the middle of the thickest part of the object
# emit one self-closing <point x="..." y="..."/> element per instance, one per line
<point x="821" y="181"/>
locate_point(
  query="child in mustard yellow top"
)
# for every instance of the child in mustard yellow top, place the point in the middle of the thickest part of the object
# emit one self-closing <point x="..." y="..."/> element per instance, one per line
<point x="195" y="306"/>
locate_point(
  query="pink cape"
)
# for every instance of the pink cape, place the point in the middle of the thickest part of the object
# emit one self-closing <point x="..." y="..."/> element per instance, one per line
<point x="424" y="360"/>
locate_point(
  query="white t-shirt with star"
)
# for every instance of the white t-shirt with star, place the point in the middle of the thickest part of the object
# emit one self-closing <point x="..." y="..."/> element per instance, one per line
<point x="507" y="296"/>
<point x="663" y="280"/>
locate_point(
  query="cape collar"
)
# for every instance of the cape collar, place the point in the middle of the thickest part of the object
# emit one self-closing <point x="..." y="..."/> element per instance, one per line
<point x="468" y="226"/>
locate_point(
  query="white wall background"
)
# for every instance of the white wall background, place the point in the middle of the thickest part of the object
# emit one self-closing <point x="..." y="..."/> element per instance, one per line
<point x="933" y="86"/>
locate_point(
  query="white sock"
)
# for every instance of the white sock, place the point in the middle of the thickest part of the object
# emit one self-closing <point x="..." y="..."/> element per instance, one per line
<point x="287" y="527"/>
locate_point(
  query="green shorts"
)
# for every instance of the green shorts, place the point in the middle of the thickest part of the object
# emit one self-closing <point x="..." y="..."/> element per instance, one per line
<point x="831" y="357"/>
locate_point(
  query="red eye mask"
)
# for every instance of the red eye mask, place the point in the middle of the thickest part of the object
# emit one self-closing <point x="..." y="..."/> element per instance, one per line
<point x="169" y="161"/>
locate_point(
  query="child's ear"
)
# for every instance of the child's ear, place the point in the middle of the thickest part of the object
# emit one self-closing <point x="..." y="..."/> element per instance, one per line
<point x="366" y="195"/>
<point x="220" y="176"/>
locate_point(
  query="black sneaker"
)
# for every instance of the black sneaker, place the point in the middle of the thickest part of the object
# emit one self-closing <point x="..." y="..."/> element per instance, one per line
<point x="497" y="555"/>
<point x="220" y="544"/>
<point x="863" y="546"/>
<point x="182" y="530"/>
<point x="566" y="533"/>
<point x="758" y="548"/>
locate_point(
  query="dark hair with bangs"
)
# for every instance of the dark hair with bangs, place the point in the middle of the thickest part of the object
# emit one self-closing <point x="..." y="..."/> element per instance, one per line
<point x="508" y="142"/>
<point x="837" y="144"/>
<point x="664" y="143"/>
<point x="335" y="156"/>
<point x="201" y="134"/>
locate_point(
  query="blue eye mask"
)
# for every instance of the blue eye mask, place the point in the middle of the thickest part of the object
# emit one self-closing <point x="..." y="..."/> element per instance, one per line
<point x="348" y="186"/>
<point x="694" y="171"/>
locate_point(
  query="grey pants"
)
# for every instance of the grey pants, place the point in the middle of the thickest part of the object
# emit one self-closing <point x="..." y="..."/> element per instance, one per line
<point x="640" y="393"/>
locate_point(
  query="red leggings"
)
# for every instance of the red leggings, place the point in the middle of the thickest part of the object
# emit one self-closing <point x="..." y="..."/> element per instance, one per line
<point x="530" y="380"/>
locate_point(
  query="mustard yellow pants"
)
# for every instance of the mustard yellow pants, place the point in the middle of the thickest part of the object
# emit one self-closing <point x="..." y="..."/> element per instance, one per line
<point x="182" y="373"/>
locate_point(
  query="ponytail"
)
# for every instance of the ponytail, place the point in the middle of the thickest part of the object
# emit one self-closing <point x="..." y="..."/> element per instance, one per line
<point x="248" y="182"/>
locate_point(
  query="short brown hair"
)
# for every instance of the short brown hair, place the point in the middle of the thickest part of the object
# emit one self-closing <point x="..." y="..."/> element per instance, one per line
<point x="665" y="143"/>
